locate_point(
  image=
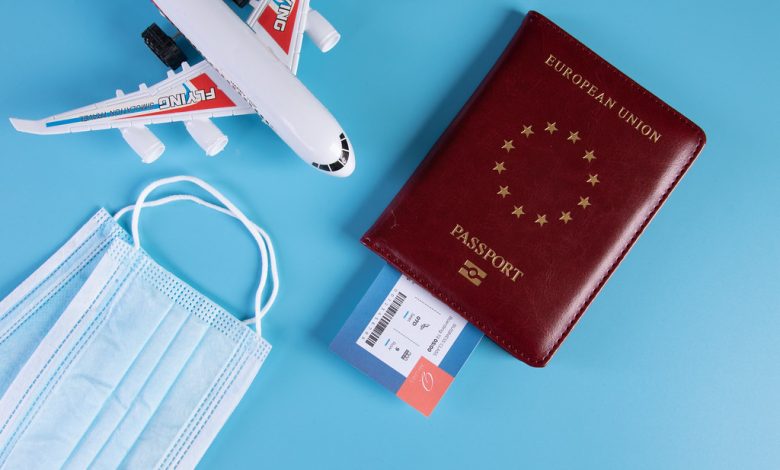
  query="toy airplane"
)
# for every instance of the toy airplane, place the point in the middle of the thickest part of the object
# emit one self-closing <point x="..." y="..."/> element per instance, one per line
<point x="247" y="69"/>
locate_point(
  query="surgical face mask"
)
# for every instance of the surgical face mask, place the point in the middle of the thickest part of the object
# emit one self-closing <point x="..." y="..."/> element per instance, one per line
<point x="29" y="312"/>
<point x="111" y="361"/>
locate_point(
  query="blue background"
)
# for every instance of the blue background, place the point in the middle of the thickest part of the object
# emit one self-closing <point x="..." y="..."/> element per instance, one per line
<point x="674" y="366"/>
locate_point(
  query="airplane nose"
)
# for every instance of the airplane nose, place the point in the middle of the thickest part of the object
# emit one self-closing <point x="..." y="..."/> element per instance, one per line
<point x="349" y="168"/>
<point x="344" y="164"/>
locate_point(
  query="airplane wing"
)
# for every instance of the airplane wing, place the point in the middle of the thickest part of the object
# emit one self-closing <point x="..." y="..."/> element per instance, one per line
<point x="195" y="93"/>
<point x="280" y="24"/>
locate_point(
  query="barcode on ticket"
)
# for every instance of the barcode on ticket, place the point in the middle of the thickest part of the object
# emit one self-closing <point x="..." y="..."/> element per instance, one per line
<point x="385" y="320"/>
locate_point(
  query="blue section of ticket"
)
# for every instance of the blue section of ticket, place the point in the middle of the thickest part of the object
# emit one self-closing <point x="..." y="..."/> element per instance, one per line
<point x="406" y="339"/>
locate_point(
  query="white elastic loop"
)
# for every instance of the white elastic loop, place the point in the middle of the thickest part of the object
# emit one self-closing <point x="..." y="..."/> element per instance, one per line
<point x="263" y="240"/>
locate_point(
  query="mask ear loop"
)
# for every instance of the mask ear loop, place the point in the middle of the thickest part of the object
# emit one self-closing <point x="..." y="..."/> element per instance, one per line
<point x="262" y="238"/>
<point x="266" y="238"/>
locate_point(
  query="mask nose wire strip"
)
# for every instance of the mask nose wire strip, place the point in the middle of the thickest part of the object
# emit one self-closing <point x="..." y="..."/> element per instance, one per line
<point x="262" y="238"/>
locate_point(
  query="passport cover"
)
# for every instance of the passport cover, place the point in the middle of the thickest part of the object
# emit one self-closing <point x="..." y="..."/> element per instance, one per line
<point x="537" y="190"/>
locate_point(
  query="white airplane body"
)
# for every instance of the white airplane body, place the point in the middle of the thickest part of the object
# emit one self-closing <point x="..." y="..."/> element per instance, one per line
<point x="246" y="69"/>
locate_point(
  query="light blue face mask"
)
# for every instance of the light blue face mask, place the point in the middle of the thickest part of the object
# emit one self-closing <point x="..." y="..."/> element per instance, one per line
<point x="111" y="361"/>
<point x="29" y="312"/>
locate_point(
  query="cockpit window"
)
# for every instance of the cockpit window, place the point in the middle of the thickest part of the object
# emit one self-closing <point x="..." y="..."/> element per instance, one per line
<point x="341" y="162"/>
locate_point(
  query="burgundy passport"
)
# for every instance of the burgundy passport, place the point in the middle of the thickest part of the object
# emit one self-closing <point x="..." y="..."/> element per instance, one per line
<point x="536" y="191"/>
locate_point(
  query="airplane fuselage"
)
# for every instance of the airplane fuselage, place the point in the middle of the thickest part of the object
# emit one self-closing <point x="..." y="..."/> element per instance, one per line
<point x="284" y="103"/>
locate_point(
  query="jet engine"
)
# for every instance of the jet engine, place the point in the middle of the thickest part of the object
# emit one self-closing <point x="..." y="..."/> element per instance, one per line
<point x="321" y="32"/>
<point x="207" y="136"/>
<point x="143" y="142"/>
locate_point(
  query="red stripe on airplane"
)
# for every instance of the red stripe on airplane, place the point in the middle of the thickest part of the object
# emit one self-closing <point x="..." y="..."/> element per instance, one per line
<point x="201" y="82"/>
<point x="268" y="20"/>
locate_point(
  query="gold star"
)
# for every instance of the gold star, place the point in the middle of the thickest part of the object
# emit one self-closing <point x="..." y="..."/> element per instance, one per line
<point x="503" y="191"/>
<point x="589" y="156"/>
<point x="508" y="145"/>
<point x="574" y="137"/>
<point x="518" y="211"/>
<point x="565" y="217"/>
<point x="500" y="168"/>
<point x="527" y="131"/>
<point x="541" y="219"/>
<point x="593" y="180"/>
<point x="551" y="128"/>
<point x="584" y="202"/>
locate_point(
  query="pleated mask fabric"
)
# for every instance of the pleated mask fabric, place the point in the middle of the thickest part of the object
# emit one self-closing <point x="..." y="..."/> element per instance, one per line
<point x="29" y="312"/>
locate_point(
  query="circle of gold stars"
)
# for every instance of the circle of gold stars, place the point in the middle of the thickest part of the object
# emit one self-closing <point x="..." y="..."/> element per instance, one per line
<point x="573" y="138"/>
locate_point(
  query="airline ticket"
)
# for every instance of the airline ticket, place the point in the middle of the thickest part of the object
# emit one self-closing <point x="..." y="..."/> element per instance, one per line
<point x="407" y="340"/>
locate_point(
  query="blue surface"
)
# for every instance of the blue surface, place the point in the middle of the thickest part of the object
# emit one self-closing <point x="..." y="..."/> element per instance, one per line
<point x="674" y="366"/>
